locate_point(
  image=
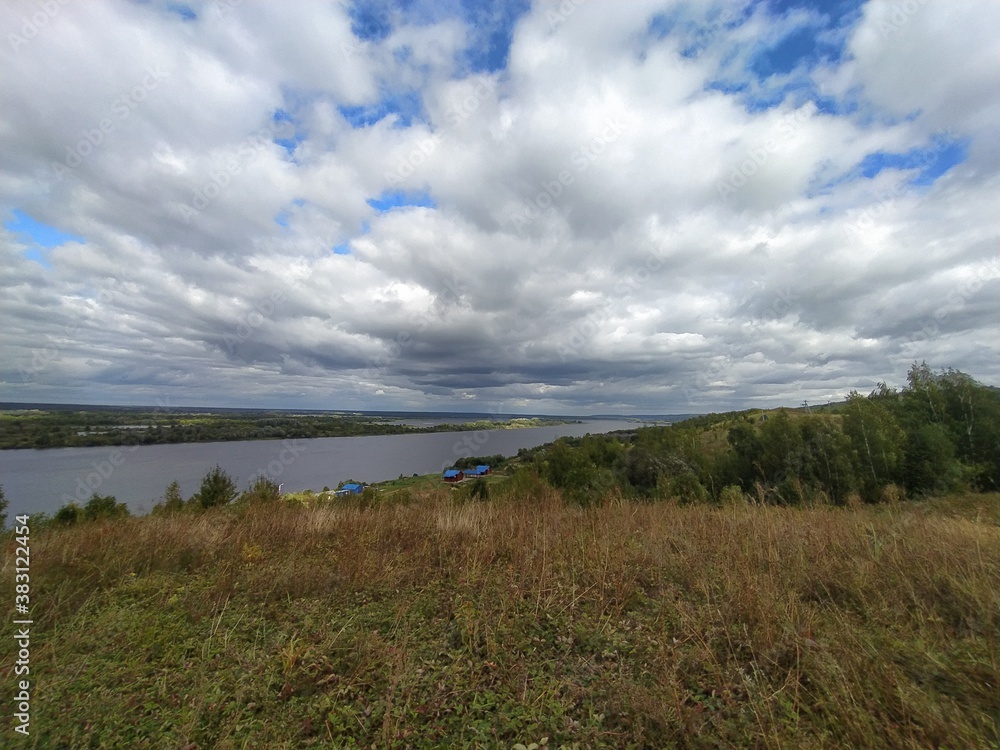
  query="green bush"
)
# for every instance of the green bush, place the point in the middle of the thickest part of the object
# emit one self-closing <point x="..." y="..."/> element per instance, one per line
<point x="263" y="490"/>
<point x="217" y="488"/>
<point x="68" y="515"/>
<point x="687" y="488"/>
<point x="731" y="494"/>
<point x="104" y="506"/>
<point x="173" y="501"/>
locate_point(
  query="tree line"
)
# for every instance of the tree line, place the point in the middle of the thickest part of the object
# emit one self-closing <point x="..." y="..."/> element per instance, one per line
<point x="940" y="433"/>
<point x="217" y="488"/>
<point x="106" y="427"/>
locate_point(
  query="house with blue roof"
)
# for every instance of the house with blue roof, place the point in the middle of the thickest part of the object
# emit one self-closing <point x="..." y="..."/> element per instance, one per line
<point x="350" y="489"/>
<point x="454" y="475"/>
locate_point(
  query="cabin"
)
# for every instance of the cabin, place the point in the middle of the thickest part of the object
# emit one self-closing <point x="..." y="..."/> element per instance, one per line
<point x="479" y="471"/>
<point x="350" y="489"/>
<point x="454" y="475"/>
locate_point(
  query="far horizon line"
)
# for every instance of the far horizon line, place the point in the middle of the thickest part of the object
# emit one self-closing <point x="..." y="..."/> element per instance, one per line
<point x="27" y="405"/>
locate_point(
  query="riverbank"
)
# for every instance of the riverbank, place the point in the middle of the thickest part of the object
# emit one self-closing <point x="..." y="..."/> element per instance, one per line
<point x="42" y="481"/>
<point x="99" y="426"/>
<point x="435" y="621"/>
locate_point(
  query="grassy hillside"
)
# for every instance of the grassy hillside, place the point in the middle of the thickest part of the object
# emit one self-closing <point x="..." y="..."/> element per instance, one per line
<point x="436" y="622"/>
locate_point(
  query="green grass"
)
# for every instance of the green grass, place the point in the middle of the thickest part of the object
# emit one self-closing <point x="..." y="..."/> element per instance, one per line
<point x="446" y="623"/>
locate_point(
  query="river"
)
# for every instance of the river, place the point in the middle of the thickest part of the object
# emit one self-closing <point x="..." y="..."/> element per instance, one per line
<point x="41" y="481"/>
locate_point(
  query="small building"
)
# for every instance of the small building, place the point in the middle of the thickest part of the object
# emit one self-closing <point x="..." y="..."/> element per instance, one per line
<point x="483" y="470"/>
<point x="454" y="475"/>
<point x="351" y="489"/>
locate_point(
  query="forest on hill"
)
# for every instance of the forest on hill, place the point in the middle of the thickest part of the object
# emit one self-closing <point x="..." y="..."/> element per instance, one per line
<point x="940" y="433"/>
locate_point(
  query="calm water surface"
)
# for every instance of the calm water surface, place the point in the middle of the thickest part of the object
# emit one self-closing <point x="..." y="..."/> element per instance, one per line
<point x="43" y="480"/>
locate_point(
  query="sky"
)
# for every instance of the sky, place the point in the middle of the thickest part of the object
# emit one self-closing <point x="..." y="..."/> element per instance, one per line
<point x="576" y="207"/>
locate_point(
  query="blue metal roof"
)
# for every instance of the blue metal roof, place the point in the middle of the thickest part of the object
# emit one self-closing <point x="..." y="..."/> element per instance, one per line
<point x="352" y="487"/>
<point x="482" y="468"/>
<point x="452" y="473"/>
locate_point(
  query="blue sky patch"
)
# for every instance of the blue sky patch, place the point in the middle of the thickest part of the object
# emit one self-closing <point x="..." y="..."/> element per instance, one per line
<point x="799" y="46"/>
<point x="807" y="45"/>
<point x="371" y="20"/>
<point x="727" y="87"/>
<point x="781" y="69"/>
<point x="491" y="31"/>
<point x="932" y="161"/>
<point x="490" y="26"/>
<point x="836" y="11"/>
<point x="284" y="217"/>
<point x="660" y="25"/>
<point x="289" y="144"/>
<point x="694" y="37"/>
<point x="43" y="236"/>
<point x="407" y="106"/>
<point x="344" y="248"/>
<point x="40" y="234"/>
<point x="391" y="199"/>
<point x="179" y="9"/>
<point x="37" y="255"/>
<point x="291" y="136"/>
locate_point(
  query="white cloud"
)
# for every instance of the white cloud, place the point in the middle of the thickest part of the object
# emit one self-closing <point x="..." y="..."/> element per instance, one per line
<point x="612" y="232"/>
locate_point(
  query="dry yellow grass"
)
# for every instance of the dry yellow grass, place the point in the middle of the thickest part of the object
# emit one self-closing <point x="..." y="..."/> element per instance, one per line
<point x="626" y="625"/>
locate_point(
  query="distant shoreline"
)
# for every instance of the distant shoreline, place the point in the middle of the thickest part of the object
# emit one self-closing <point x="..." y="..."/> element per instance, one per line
<point x="35" y="428"/>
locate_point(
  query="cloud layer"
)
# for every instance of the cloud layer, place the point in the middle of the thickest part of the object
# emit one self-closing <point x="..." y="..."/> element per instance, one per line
<point x="564" y="208"/>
